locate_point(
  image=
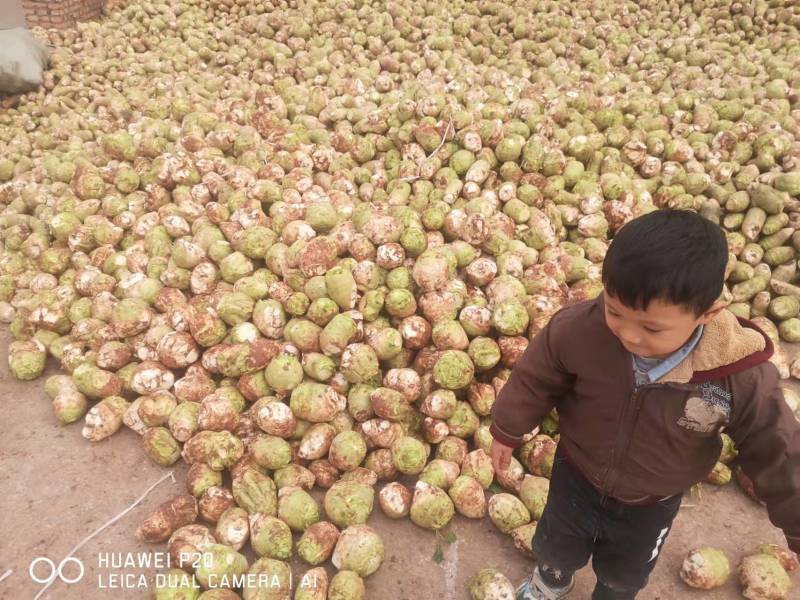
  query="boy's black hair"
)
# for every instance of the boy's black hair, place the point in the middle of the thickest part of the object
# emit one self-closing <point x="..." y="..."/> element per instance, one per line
<point x="675" y="256"/>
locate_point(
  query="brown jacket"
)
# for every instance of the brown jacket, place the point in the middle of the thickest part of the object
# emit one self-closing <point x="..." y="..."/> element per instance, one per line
<point x="662" y="438"/>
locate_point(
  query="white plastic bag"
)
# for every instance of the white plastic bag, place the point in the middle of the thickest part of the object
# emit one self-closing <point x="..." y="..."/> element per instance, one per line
<point x="22" y="60"/>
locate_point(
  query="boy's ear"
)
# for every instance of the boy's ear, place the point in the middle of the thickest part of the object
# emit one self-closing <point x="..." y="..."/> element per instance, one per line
<point x="713" y="311"/>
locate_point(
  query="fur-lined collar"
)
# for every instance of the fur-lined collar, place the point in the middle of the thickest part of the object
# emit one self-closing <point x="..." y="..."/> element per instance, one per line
<point x="728" y="345"/>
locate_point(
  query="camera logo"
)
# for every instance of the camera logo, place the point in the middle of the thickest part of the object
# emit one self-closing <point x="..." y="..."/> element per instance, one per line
<point x="34" y="568"/>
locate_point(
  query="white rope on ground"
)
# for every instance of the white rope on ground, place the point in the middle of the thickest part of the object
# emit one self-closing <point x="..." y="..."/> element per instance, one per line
<point x="444" y="138"/>
<point x="451" y="572"/>
<point x="80" y="544"/>
<point x="6" y="575"/>
<point x="432" y="154"/>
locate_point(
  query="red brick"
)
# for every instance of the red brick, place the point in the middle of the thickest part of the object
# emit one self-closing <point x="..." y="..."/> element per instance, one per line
<point x="62" y="13"/>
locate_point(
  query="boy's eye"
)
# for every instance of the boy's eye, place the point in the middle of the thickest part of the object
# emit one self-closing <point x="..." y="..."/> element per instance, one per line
<point x="651" y="330"/>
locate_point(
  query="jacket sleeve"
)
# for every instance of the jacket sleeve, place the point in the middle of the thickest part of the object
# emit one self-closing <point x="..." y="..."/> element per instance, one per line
<point x="768" y="438"/>
<point x="535" y="384"/>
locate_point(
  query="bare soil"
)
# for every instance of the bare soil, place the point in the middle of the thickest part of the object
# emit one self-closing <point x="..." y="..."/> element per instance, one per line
<point x="56" y="488"/>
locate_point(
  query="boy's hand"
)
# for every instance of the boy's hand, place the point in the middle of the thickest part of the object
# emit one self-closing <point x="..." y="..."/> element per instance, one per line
<point x="501" y="456"/>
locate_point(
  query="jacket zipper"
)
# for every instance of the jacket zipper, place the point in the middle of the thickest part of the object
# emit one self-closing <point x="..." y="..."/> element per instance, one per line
<point x="622" y="445"/>
<point x="621" y="449"/>
<point x="626" y="438"/>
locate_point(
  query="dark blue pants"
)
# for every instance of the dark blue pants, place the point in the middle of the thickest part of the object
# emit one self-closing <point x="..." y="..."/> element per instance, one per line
<point x="623" y="541"/>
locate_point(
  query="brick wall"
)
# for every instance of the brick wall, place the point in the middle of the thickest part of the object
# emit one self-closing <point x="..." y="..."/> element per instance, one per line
<point x="60" y="13"/>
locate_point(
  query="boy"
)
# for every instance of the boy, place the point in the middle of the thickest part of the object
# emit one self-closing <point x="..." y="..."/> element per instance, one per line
<point x="644" y="378"/>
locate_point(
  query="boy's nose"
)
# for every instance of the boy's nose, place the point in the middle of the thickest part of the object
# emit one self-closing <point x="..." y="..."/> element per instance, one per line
<point x="630" y="339"/>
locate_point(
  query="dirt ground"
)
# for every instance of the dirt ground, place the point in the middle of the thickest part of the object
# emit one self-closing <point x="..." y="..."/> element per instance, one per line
<point x="57" y="488"/>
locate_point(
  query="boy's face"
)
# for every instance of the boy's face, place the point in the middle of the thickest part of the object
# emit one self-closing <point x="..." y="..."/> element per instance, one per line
<point x="656" y="332"/>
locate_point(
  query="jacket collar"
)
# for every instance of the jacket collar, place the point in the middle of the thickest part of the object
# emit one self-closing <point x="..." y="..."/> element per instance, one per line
<point x="728" y="345"/>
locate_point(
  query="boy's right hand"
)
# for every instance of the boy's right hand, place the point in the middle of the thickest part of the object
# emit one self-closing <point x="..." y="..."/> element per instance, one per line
<point x="501" y="456"/>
